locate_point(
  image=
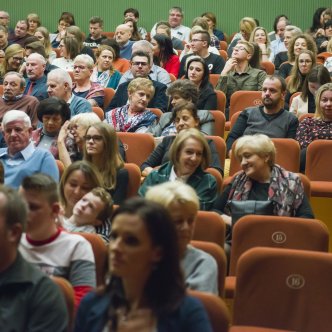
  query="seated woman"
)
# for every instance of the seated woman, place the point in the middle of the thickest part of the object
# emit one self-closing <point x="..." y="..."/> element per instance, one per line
<point x="101" y="149"/>
<point x="52" y="112"/>
<point x="181" y="201"/>
<point x="71" y="137"/>
<point x="69" y="49"/>
<point x="189" y="157"/>
<point x="262" y="180"/>
<point x="318" y="127"/>
<point x="197" y="72"/>
<point x="298" y="43"/>
<point x="143" y="256"/>
<point x="305" y="102"/>
<point x="134" y="117"/>
<point x="103" y="73"/>
<point x="184" y="116"/>
<point x="323" y="39"/>
<point x="261" y="38"/>
<point x="304" y="62"/>
<point x="135" y="35"/>
<point x="83" y="87"/>
<point x="212" y="22"/>
<point x="164" y="54"/>
<point x="178" y="92"/>
<point x="14" y="56"/>
<point x="44" y="37"/>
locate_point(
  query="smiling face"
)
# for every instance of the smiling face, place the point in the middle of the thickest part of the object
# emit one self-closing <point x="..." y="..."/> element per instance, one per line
<point x="105" y="60"/>
<point x="132" y="253"/>
<point x="326" y="104"/>
<point x="255" y="166"/>
<point x="305" y="63"/>
<point x="196" y="72"/>
<point x="190" y="157"/>
<point x="183" y="216"/>
<point x="185" y="120"/>
<point x="260" y="36"/>
<point x="94" y="142"/>
<point x="299" y="45"/>
<point x="14" y="62"/>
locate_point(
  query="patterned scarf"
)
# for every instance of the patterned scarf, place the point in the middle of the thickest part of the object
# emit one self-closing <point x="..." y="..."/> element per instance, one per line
<point x="285" y="190"/>
<point x="101" y="78"/>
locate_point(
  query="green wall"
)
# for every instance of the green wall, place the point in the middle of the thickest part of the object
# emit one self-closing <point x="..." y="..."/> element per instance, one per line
<point x="228" y="12"/>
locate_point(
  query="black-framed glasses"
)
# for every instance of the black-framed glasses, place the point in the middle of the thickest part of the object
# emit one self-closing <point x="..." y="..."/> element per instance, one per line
<point x="94" y="138"/>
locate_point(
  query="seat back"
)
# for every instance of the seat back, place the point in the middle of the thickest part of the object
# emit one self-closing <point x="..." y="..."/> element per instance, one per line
<point x="243" y="99"/>
<point x="209" y="227"/>
<point x="268" y="67"/>
<point x="108" y="95"/>
<point x="319" y="161"/>
<point x="321" y="57"/>
<point x="234" y="119"/>
<point x="284" y="289"/>
<point x="101" y="255"/>
<point x="108" y="34"/>
<point x="138" y="146"/>
<point x="223" y="54"/>
<point x="223" y="45"/>
<point x="134" y="182"/>
<point x="216" y="310"/>
<point x="219" y="123"/>
<point x="217" y="175"/>
<point x="213" y="78"/>
<point x="61" y="167"/>
<point x="221" y="147"/>
<point x="295" y="94"/>
<point x="275" y="231"/>
<point x="285" y="147"/>
<point x="68" y="292"/>
<point x="99" y="111"/>
<point x="306" y="115"/>
<point x="221" y="100"/>
<point x="1" y="90"/>
<point x="219" y="255"/>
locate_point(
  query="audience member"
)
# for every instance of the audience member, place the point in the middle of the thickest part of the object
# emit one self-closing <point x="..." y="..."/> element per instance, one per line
<point x="3" y="38"/>
<point x="164" y="28"/>
<point x="134" y="116"/>
<point x="135" y="35"/>
<point x="44" y="37"/>
<point x="189" y="157"/>
<point x="103" y="73"/>
<point x="83" y="87"/>
<point x="4" y="20"/>
<point x="199" y="268"/>
<point x="212" y="22"/>
<point x="322" y="40"/>
<point x="13" y="98"/>
<point x="122" y="37"/>
<point x="30" y="301"/>
<point x="134" y="14"/>
<point x="261" y="38"/>
<point x="33" y="23"/>
<point x="14" y="56"/>
<point x="36" y="82"/>
<point x="20" y="33"/>
<point x="95" y="37"/>
<point x="156" y="73"/>
<point x="278" y="44"/>
<point x="52" y="112"/>
<point x="59" y="84"/>
<point x="199" y="45"/>
<point x="317" y="22"/>
<point x="273" y="35"/>
<point x="140" y="68"/>
<point x="44" y="243"/>
<point x="270" y="119"/>
<point x="177" y="29"/>
<point x="69" y="50"/>
<point x="64" y="22"/>
<point x="21" y="158"/>
<point x="201" y="23"/>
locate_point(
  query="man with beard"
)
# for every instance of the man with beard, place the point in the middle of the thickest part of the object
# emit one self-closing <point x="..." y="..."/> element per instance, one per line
<point x="270" y="119"/>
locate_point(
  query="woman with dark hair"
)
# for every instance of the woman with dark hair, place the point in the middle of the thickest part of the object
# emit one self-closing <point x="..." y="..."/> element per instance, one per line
<point x="189" y="156"/>
<point x="53" y="112"/>
<point x="101" y="149"/>
<point x="164" y="54"/>
<point x="33" y="23"/>
<point x="143" y="256"/>
<point x="317" y="21"/>
<point x="197" y="72"/>
<point x="322" y="40"/>
<point x="184" y="115"/>
<point x="135" y="35"/>
<point x="212" y="22"/>
<point x="305" y="102"/>
<point x="69" y="49"/>
<point x="64" y="22"/>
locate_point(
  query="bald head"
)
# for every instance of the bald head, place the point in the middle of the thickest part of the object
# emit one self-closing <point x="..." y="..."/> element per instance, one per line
<point x="122" y="34"/>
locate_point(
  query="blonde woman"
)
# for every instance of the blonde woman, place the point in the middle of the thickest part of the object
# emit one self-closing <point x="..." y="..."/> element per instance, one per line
<point x="44" y="37"/>
<point x="261" y="38"/>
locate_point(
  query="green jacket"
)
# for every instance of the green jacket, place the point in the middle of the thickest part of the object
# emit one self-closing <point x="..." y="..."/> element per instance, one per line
<point x="204" y="184"/>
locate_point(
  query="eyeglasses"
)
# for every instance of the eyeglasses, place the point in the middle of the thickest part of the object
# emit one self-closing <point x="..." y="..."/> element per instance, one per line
<point x="15" y="58"/>
<point x="196" y="40"/>
<point x="241" y="48"/>
<point x="79" y="67"/>
<point x="94" y="138"/>
<point x="139" y="63"/>
<point x="305" y="61"/>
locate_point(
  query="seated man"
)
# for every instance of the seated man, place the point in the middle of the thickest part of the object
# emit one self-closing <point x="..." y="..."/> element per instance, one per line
<point x="270" y="119"/>
<point x="83" y="87"/>
<point x="122" y="37"/>
<point x="238" y="74"/>
<point x="20" y="33"/>
<point x="29" y="300"/>
<point x="13" y="98"/>
<point x="21" y="158"/>
<point x="92" y="210"/>
<point x="156" y="72"/>
<point x="59" y="84"/>
<point x="199" y="45"/>
<point x="95" y="28"/>
<point x="140" y="67"/>
<point x="55" y="252"/>
<point x="36" y="81"/>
